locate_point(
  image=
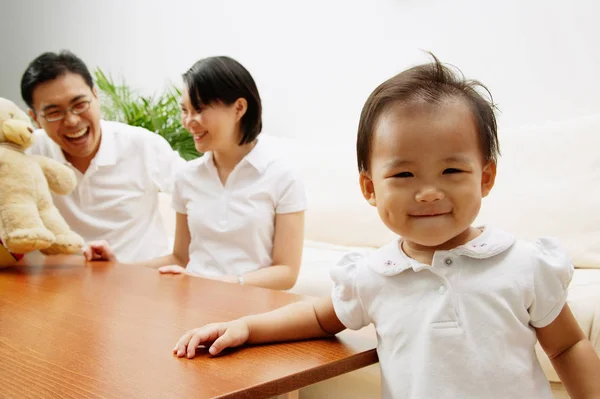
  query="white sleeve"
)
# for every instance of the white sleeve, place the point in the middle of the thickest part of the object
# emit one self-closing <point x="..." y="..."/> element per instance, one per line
<point x="178" y="203"/>
<point x="291" y="196"/>
<point x="345" y="296"/>
<point x="552" y="275"/>
<point x="164" y="164"/>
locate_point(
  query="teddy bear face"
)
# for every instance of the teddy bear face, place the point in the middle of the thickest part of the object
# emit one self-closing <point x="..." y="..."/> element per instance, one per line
<point x="15" y="125"/>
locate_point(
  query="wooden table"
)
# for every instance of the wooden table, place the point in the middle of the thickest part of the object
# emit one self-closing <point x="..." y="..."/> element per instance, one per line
<point x="72" y="329"/>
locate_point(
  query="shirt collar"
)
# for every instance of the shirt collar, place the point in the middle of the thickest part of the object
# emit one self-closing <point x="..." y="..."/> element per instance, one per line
<point x="107" y="153"/>
<point x="390" y="259"/>
<point x="259" y="157"/>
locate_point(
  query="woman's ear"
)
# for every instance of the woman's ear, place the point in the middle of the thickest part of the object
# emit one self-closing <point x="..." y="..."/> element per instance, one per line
<point x="240" y="106"/>
<point x="367" y="188"/>
<point x="488" y="178"/>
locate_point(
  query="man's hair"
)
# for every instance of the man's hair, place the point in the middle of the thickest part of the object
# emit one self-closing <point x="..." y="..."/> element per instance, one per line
<point x="432" y="83"/>
<point x="50" y="66"/>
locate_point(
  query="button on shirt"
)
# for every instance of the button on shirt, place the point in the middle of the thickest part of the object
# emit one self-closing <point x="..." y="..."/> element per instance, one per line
<point x="117" y="198"/>
<point x="462" y="327"/>
<point x="232" y="226"/>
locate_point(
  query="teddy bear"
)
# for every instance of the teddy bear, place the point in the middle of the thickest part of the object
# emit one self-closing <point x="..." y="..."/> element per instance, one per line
<point x="29" y="221"/>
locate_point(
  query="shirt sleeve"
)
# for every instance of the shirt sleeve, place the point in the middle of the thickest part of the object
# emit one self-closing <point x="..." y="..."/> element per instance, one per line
<point x="291" y="194"/>
<point x="178" y="203"/>
<point x="552" y="275"/>
<point x="345" y="296"/>
<point x="164" y="164"/>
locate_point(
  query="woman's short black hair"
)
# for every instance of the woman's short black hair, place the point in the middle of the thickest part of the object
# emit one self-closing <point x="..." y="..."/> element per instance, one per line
<point x="224" y="80"/>
<point x="433" y="83"/>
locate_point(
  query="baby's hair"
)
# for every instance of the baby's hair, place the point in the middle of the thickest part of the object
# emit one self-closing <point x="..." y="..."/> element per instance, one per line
<point x="432" y="83"/>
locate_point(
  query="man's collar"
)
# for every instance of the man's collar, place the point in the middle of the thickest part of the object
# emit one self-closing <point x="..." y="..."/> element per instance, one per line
<point x="107" y="152"/>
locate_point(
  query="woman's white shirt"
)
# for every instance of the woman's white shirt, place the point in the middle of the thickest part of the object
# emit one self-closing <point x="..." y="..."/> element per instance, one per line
<point x="232" y="226"/>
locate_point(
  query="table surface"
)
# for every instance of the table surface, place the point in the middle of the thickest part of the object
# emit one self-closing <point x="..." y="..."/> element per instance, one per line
<point x="73" y="329"/>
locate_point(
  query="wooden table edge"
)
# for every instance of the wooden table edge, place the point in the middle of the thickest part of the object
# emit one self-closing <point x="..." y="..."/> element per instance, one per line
<point x="305" y="378"/>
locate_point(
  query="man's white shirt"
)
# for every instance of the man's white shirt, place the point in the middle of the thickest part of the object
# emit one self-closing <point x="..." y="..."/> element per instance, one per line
<point x="117" y="198"/>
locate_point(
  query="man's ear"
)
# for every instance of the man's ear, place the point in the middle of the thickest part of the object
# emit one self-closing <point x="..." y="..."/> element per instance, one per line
<point x="367" y="188"/>
<point x="34" y="118"/>
<point x="240" y="106"/>
<point x="488" y="178"/>
<point x="95" y="92"/>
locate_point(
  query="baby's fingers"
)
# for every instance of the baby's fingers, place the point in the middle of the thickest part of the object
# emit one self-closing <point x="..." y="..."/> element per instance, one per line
<point x="181" y="345"/>
<point x="187" y="345"/>
<point x="229" y="339"/>
<point x="200" y="337"/>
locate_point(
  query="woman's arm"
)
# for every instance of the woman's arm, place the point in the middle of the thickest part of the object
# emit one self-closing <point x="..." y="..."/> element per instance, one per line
<point x="572" y="355"/>
<point x="287" y="255"/>
<point x="180" y="255"/>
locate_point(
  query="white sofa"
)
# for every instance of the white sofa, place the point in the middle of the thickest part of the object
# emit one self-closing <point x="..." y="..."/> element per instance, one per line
<point x="548" y="183"/>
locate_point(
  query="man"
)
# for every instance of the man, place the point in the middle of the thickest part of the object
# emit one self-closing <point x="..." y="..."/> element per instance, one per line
<point x="120" y="168"/>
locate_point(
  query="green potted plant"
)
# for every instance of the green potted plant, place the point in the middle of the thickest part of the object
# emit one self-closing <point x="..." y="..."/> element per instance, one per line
<point x="159" y="114"/>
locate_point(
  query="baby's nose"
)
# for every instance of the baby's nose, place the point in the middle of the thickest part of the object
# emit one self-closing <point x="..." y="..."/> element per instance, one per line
<point x="429" y="194"/>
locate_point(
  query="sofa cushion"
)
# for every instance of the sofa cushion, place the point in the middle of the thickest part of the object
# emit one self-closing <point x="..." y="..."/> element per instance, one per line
<point x="317" y="259"/>
<point x="337" y="212"/>
<point x="548" y="183"/>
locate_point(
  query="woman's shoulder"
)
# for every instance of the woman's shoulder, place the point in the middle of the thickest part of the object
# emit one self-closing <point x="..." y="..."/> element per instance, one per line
<point x="189" y="170"/>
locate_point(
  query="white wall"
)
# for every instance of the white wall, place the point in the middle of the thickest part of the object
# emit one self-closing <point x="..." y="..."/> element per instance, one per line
<point x="316" y="61"/>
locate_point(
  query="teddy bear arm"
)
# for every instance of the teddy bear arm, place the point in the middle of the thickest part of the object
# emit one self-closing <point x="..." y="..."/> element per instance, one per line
<point x="61" y="179"/>
<point x="67" y="241"/>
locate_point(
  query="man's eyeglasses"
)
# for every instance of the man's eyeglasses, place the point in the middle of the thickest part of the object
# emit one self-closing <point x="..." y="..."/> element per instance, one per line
<point x="76" y="109"/>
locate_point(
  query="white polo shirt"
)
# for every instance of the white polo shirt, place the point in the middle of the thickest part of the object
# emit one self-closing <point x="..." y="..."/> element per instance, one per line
<point x="117" y="198"/>
<point x="232" y="227"/>
<point x="462" y="327"/>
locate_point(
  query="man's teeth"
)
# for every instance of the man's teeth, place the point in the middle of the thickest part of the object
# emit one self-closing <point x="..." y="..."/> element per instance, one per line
<point x="77" y="134"/>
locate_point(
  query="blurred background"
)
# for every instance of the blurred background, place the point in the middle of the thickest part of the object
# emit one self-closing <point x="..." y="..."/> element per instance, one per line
<point x="315" y="62"/>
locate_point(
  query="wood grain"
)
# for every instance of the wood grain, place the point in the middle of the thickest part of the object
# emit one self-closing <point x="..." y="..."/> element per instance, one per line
<point x="72" y="329"/>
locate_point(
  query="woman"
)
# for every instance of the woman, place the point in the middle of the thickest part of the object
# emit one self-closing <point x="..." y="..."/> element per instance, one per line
<point x="240" y="207"/>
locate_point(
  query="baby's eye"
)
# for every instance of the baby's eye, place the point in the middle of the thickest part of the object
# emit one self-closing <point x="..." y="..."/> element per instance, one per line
<point x="451" y="171"/>
<point x="404" y="174"/>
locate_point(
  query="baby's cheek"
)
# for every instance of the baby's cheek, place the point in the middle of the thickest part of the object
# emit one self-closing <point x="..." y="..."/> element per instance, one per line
<point x="393" y="217"/>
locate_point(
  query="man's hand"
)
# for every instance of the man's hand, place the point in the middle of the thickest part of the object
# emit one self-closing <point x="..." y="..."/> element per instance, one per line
<point x="219" y="336"/>
<point x="98" y="250"/>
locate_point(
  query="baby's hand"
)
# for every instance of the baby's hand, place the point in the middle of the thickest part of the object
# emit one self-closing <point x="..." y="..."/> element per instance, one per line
<point x="171" y="269"/>
<point x="221" y="335"/>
